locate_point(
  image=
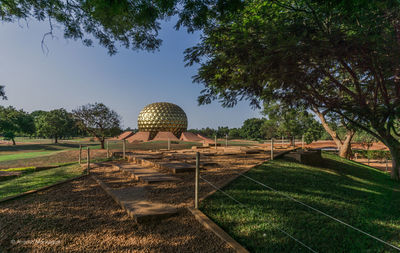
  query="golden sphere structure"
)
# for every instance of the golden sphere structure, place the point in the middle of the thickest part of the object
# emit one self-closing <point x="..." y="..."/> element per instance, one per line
<point x="162" y="117"/>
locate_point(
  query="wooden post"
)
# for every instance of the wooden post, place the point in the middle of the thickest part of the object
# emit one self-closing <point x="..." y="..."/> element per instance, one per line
<point x="88" y="160"/>
<point x="215" y="141"/>
<point x="108" y="149"/>
<point x="169" y="143"/>
<point x="272" y="148"/>
<point x="123" y="149"/>
<point x="294" y="140"/>
<point x="196" y="182"/>
<point x="80" y="153"/>
<point x="302" y="141"/>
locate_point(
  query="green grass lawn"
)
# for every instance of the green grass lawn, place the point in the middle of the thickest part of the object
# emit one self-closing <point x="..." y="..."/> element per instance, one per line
<point x="356" y="194"/>
<point x="25" y="155"/>
<point x="38" y="179"/>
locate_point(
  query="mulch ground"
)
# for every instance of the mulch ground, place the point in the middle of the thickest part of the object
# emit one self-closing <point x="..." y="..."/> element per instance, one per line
<point x="80" y="217"/>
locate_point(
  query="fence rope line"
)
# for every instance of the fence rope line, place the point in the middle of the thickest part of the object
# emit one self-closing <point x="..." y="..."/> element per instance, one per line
<point x="321" y="212"/>
<point x="284" y="232"/>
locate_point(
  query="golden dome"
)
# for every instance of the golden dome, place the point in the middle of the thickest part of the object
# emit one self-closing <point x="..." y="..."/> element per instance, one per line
<point x="162" y="117"/>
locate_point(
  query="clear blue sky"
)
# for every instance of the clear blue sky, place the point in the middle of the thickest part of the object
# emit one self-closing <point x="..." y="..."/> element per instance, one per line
<point x="71" y="75"/>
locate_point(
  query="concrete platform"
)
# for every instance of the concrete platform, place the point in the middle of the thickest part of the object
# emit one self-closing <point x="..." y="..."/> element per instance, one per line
<point x="134" y="201"/>
<point x="145" y="174"/>
<point x="176" y="167"/>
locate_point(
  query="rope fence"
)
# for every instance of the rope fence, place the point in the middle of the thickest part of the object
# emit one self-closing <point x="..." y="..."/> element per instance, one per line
<point x="198" y="176"/>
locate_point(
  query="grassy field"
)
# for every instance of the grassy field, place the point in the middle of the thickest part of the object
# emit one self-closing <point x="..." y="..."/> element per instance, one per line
<point x="356" y="194"/>
<point x="39" y="179"/>
<point x="39" y="154"/>
<point x="25" y="155"/>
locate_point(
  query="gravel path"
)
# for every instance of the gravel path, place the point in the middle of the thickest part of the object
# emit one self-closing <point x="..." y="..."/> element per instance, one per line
<point x="181" y="193"/>
<point x="80" y="217"/>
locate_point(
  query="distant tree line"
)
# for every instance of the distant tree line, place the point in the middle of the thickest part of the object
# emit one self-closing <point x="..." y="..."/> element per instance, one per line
<point x="291" y="122"/>
<point x="95" y="120"/>
<point x="279" y="122"/>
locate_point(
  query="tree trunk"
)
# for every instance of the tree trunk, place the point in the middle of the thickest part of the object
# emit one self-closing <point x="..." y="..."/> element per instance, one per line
<point x="102" y="143"/>
<point x="394" y="147"/>
<point x="291" y="140"/>
<point x="395" y="164"/>
<point x="55" y="139"/>
<point x="13" y="141"/>
<point x="343" y="146"/>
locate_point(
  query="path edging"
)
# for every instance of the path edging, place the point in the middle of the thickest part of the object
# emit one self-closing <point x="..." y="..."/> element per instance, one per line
<point x="218" y="231"/>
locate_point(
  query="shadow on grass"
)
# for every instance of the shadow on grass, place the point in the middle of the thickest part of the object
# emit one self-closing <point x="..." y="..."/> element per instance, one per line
<point x="359" y="195"/>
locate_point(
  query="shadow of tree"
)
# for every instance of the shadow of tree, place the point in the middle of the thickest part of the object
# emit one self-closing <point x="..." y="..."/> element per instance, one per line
<point x="360" y="196"/>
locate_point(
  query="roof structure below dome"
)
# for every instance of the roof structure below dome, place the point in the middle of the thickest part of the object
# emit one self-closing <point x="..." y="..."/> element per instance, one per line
<point x="124" y="135"/>
<point x="164" y="136"/>
<point x="139" y="136"/>
<point x="188" y="136"/>
<point x="205" y="139"/>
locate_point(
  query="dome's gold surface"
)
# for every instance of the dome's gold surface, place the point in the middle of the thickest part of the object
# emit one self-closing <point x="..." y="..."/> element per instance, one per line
<point x="165" y="117"/>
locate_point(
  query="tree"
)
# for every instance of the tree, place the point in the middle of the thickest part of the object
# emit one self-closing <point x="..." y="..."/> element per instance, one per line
<point x="270" y="128"/>
<point x="337" y="56"/>
<point x="222" y="132"/>
<point x="333" y="125"/>
<point x="98" y="120"/>
<point x="54" y="124"/>
<point x="234" y="133"/>
<point x="132" y="24"/>
<point x="2" y="92"/>
<point x="251" y="129"/>
<point x="286" y="120"/>
<point x="13" y="122"/>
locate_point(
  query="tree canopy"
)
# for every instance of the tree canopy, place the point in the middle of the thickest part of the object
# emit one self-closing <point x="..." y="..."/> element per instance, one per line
<point x="132" y="24"/>
<point x="340" y="56"/>
<point x="284" y="120"/>
<point x="2" y="92"/>
<point x="98" y="120"/>
<point x="54" y="124"/>
<point x="13" y="122"/>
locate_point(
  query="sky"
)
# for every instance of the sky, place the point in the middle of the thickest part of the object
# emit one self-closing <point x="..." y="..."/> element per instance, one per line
<point x="71" y="75"/>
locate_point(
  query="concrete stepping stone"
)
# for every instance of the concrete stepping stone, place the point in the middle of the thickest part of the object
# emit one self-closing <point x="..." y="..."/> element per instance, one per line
<point x="134" y="201"/>
<point x="146" y="174"/>
<point x="176" y="167"/>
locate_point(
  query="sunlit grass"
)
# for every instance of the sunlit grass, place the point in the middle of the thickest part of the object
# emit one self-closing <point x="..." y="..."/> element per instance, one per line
<point x="356" y="194"/>
<point x="35" y="180"/>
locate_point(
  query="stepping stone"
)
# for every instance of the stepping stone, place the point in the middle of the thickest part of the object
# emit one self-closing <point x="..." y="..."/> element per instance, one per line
<point x="146" y="174"/>
<point x="177" y="167"/>
<point x="134" y="201"/>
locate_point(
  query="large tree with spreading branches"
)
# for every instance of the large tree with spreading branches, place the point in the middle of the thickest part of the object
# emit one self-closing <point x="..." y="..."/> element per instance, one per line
<point x="129" y="23"/>
<point x="336" y="56"/>
<point x="98" y="120"/>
